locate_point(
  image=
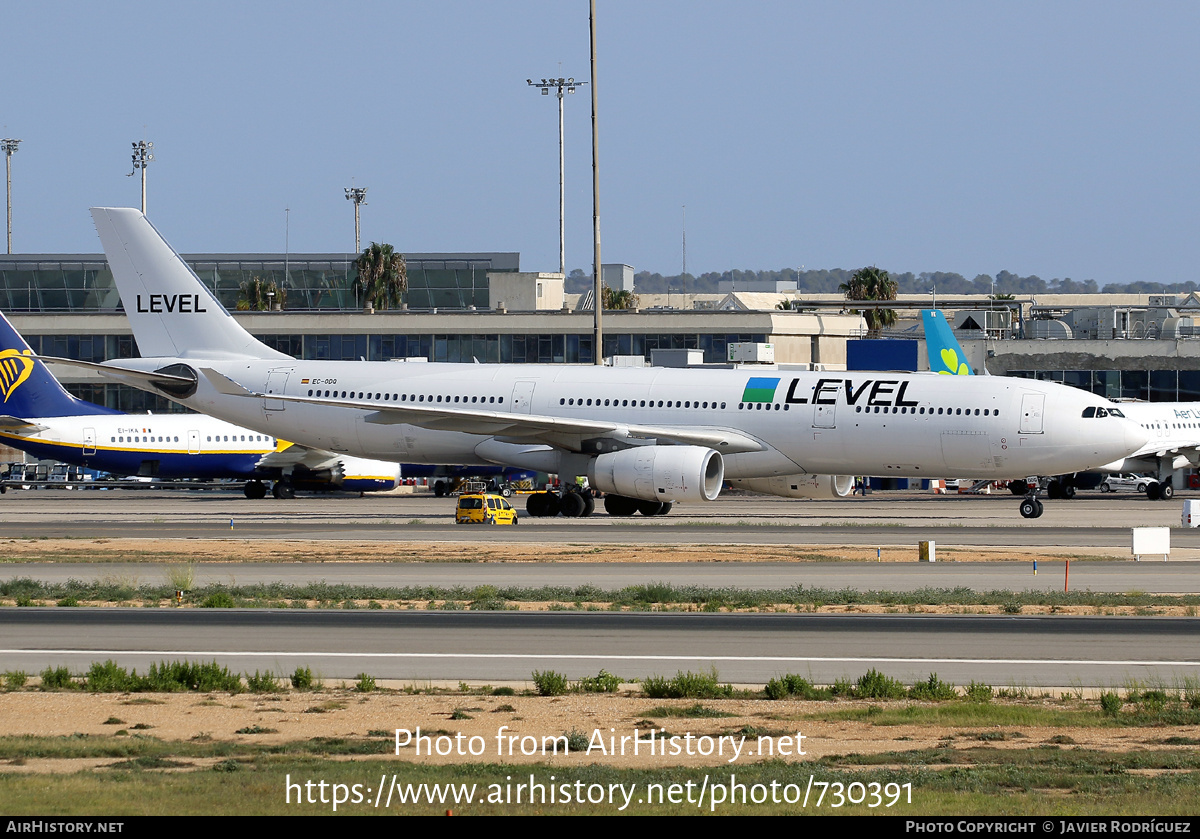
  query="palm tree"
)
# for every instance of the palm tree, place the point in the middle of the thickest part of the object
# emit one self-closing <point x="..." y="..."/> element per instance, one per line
<point x="873" y="284"/>
<point x="382" y="277"/>
<point x="257" y="295"/>
<point x="614" y="299"/>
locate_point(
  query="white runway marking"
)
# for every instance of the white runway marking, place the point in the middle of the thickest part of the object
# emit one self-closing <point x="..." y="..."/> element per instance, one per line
<point x="614" y="657"/>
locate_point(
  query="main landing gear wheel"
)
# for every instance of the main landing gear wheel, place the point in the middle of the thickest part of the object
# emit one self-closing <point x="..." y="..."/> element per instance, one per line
<point x="572" y="505"/>
<point x="254" y="490"/>
<point x="1031" y="508"/>
<point x="439" y="489"/>
<point x="619" y="505"/>
<point x="1160" y="491"/>
<point x="283" y="489"/>
<point x="543" y="505"/>
<point x="575" y="505"/>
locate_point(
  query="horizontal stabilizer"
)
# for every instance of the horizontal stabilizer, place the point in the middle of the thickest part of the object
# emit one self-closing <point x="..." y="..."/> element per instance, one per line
<point x="8" y="423"/>
<point x="124" y="374"/>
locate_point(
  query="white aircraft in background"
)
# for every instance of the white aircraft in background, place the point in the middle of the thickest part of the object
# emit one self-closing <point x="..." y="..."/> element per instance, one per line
<point x="1173" y="428"/>
<point x="1174" y="444"/>
<point x="646" y="437"/>
<point x="38" y="416"/>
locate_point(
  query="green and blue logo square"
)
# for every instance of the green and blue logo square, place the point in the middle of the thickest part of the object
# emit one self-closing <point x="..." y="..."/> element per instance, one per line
<point x="760" y="390"/>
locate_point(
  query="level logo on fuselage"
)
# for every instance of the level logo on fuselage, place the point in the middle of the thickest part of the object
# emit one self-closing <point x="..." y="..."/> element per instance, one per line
<point x="871" y="392"/>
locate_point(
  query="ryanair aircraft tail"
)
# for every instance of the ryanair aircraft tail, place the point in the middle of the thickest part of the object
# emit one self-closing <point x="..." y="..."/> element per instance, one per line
<point x="172" y="313"/>
<point x="946" y="355"/>
<point x="27" y="389"/>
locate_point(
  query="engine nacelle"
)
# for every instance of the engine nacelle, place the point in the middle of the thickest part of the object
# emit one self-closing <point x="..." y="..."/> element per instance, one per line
<point x="362" y="475"/>
<point x="800" y="486"/>
<point x="660" y="473"/>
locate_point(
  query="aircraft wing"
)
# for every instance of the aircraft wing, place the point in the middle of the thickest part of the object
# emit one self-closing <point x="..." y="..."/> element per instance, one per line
<point x="512" y="427"/>
<point x="9" y="423"/>
<point x="136" y="378"/>
<point x="291" y="455"/>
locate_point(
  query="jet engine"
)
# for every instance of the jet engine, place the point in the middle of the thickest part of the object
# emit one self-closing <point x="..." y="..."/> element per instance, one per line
<point x="800" y="486"/>
<point x="353" y="474"/>
<point x="660" y="473"/>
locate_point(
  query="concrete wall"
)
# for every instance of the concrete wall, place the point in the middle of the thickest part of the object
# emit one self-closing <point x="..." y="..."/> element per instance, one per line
<point x="526" y="291"/>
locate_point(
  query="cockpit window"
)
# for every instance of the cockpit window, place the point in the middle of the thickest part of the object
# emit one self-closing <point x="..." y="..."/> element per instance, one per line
<point x="1100" y="412"/>
<point x="1088" y="413"/>
<point x="1113" y="412"/>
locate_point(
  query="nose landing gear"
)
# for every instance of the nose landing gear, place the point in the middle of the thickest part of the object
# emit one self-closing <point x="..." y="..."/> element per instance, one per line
<point x="1031" y="507"/>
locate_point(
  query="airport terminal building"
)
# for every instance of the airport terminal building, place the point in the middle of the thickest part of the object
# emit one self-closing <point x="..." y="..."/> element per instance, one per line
<point x="464" y="307"/>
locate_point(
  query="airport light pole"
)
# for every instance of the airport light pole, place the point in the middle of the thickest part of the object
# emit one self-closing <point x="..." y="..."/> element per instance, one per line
<point x="597" y="282"/>
<point x="357" y="194"/>
<point x="142" y="157"/>
<point x="10" y="147"/>
<point x="558" y="85"/>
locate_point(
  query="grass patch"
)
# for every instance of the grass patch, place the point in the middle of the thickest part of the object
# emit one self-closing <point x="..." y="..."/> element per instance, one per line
<point x="696" y="711"/>
<point x="687" y="685"/>
<point x="792" y="686"/>
<point x="550" y="683"/>
<point x="962" y="714"/>
<point x="650" y="596"/>
<point x="1028" y="782"/>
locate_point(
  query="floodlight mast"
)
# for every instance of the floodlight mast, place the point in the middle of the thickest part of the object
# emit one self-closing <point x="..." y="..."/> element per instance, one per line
<point x="357" y="194"/>
<point x="557" y="85"/>
<point x="142" y="157"/>
<point x="10" y="148"/>
<point x="597" y="282"/>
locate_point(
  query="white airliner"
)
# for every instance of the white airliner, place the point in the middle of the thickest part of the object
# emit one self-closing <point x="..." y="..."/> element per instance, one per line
<point x="646" y="437"/>
<point x="38" y="416"/>
<point x="1174" y="444"/>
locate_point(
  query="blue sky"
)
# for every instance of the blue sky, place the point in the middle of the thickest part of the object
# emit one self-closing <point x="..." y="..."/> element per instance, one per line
<point x="1057" y="139"/>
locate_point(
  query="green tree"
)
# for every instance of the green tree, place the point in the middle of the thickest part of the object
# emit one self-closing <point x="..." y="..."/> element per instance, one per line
<point x="872" y="284"/>
<point x="614" y="299"/>
<point x="257" y="295"/>
<point x="382" y="277"/>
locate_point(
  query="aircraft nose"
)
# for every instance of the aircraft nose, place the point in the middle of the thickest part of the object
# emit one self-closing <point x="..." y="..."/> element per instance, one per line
<point x="1135" y="436"/>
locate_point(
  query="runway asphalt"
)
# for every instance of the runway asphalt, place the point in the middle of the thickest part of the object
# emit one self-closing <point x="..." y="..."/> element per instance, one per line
<point x="508" y="646"/>
<point x="1092" y="520"/>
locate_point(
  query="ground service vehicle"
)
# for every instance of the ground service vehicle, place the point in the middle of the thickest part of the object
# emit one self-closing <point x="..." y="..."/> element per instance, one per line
<point x="484" y="508"/>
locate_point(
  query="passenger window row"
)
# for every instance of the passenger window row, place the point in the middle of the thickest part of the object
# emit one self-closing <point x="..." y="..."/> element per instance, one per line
<point x="406" y="397"/>
<point x="642" y="403"/>
<point x="957" y="412"/>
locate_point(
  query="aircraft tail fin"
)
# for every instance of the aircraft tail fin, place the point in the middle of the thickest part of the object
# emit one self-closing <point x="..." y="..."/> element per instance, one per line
<point x="946" y="355"/>
<point x="27" y="387"/>
<point x="172" y="313"/>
